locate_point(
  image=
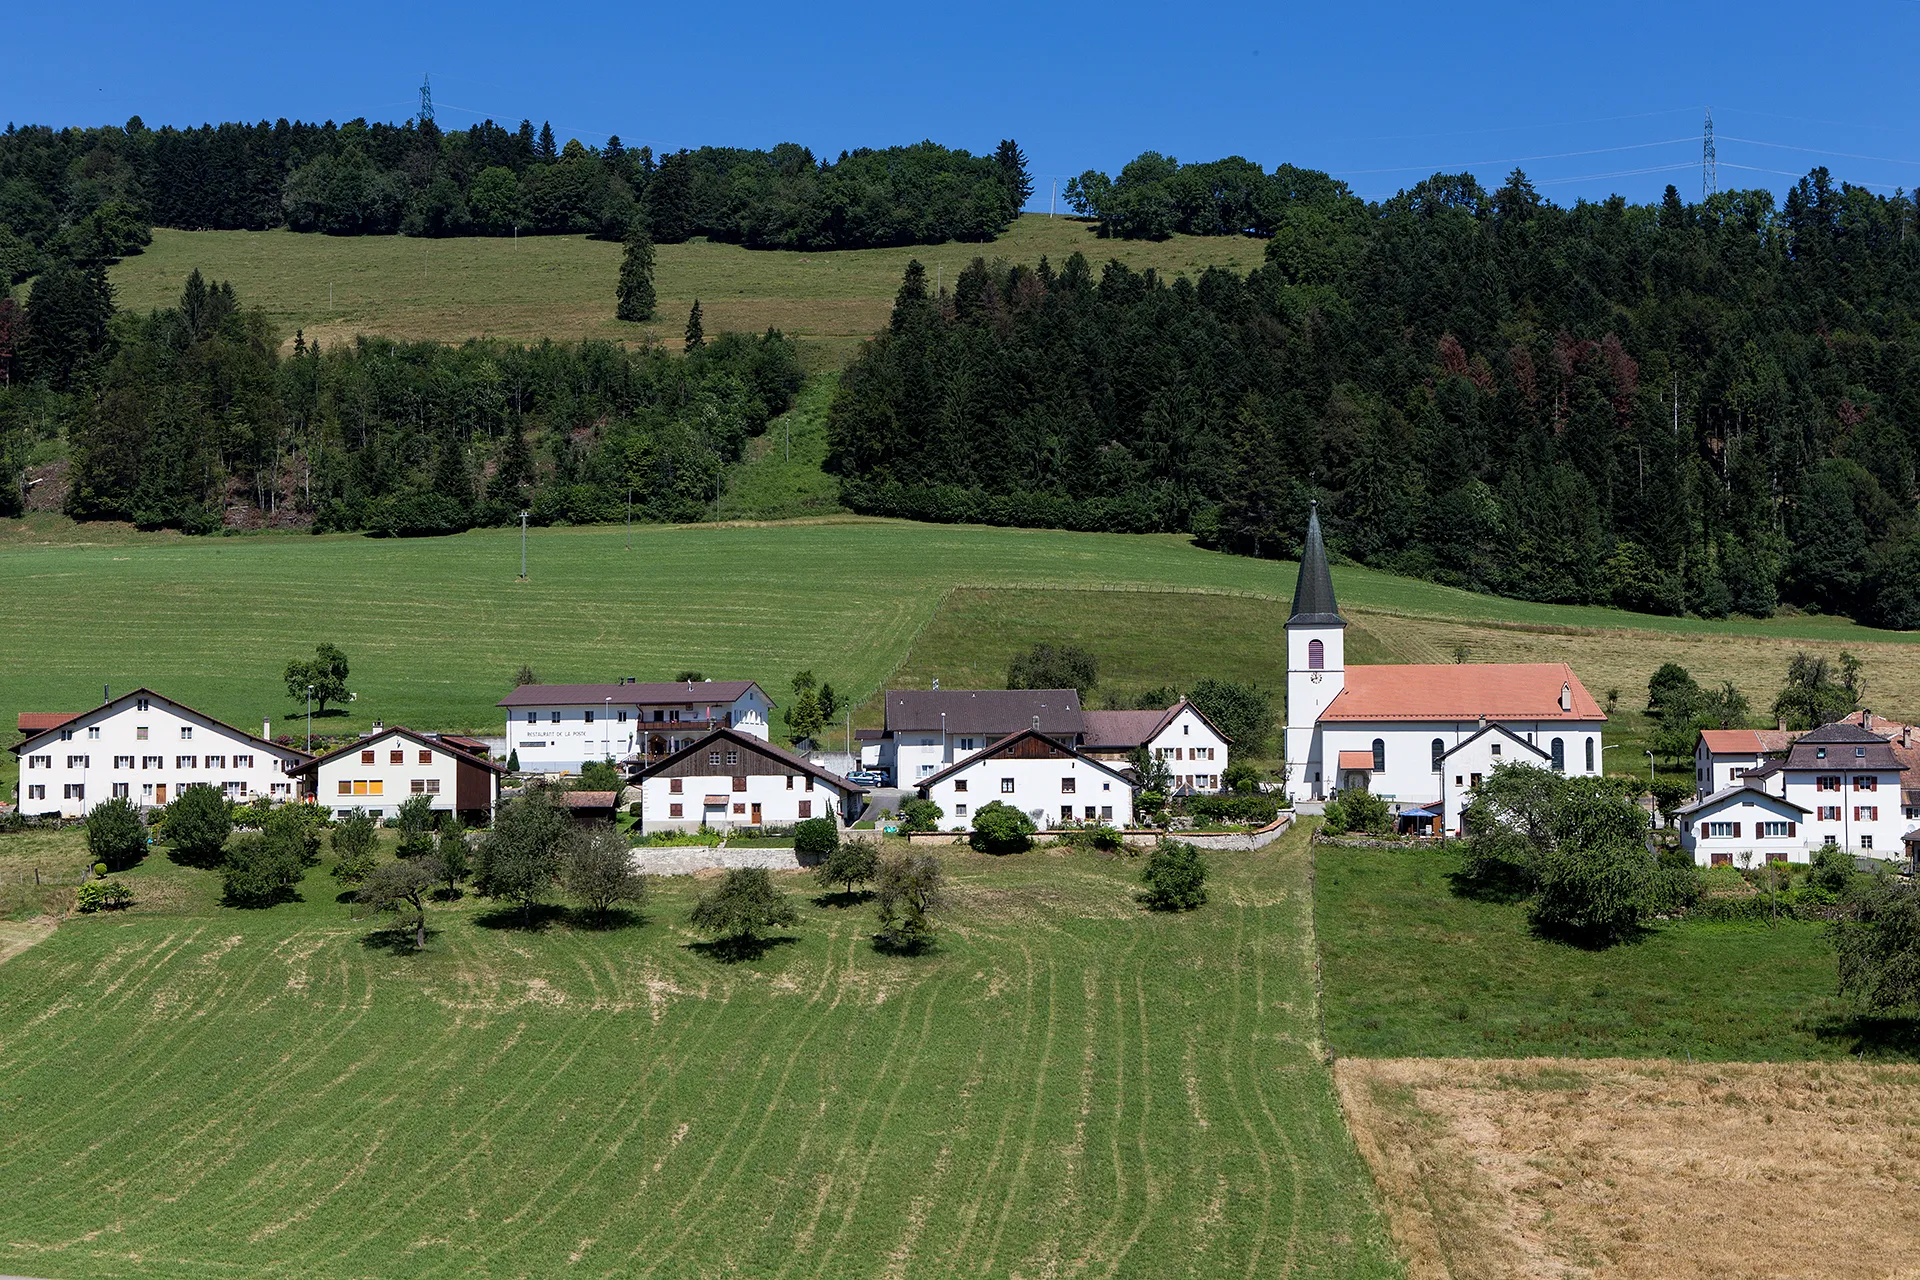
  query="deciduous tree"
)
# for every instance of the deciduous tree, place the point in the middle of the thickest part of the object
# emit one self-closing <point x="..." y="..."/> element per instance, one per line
<point x="596" y="869"/>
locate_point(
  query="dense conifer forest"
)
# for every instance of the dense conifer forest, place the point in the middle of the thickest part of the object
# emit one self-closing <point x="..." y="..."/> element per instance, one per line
<point x="1708" y="407"/>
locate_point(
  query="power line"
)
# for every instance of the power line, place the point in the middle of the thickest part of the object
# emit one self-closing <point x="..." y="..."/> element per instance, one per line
<point x="1473" y="164"/>
<point x="1818" y="151"/>
<point x="426" y="98"/>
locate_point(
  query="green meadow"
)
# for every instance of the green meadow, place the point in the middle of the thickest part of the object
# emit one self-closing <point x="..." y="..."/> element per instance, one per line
<point x="1067" y="1085"/>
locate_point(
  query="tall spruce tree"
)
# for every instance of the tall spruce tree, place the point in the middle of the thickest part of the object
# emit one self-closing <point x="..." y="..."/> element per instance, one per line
<point x="696" y="335"/>
<point x="635" y="291"/>
<point x="1012" y="163"/>
<point x="548" y="152"/>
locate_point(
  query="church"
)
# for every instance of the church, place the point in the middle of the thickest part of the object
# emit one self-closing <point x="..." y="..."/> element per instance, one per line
<point x="1419" y="736"/>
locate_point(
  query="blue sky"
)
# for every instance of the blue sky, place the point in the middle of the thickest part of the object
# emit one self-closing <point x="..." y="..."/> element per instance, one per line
<point x="1588" y="101"/>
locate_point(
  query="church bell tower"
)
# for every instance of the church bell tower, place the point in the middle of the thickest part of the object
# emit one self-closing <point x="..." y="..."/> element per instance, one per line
<point x="1316" y="665"/>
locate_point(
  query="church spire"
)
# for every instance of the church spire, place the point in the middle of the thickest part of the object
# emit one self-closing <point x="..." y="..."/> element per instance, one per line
<point x="1313" y="603"/>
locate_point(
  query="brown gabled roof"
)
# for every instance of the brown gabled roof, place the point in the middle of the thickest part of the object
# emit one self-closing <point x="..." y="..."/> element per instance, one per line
<point x="751" y="743"/>
<point x="20" y="748"/>
<point x="1841" y="740"/>
<point x="1112" y="730"/>
<point x="992" y="712"/>
<point x="398" y="731"/>
<point x="590" y="799"/>
<point x="1742" y="742"/>
<point x="1000" y="746"/>
<point x="1462" y="691"/>
<point x="626" y="695"/>
<point x="41" y="721"/>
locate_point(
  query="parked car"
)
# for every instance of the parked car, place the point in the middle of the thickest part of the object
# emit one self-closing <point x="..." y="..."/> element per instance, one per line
<point x="867" y="778"/>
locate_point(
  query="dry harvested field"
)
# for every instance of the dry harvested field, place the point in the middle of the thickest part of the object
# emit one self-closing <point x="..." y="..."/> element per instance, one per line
<point x="1617" y="1169"/>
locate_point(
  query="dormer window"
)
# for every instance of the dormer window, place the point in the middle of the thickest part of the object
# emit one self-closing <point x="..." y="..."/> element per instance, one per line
<point x="1859" y="753"/>
<point x="1819" y="753"/>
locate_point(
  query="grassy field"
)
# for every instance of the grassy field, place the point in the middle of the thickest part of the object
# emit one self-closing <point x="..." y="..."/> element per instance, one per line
<point x="1412" y="970"/>
<point x="561" y="287"/>
<point x="1067" y="1086"/>
<point x="780" y="478"/>
<point x="1627" y="1170"/>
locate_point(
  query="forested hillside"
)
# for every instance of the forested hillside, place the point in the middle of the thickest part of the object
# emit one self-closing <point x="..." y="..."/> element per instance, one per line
<point x="87" y="194"/>
<point x="1709" y="408"/>
<point x="189" y="415"/>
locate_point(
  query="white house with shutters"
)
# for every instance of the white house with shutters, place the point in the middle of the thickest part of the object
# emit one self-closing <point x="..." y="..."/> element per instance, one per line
<point x="1047" y="779"/>
<point x="379" y="773"/>
<point x="1743" y="825"/>
<point x="1722" y="757"/>
<point x="555" y="728"/>
<point x="732" y="779"/>
<point x="1191" y="746"/>
<point x="147" y="748"/>
<point x="1465" y="765"/>
<point x="1849" y="780"/>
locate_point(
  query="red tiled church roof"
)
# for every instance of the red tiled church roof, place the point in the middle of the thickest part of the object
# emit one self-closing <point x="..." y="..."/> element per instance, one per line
<point x="1462" y="691"/>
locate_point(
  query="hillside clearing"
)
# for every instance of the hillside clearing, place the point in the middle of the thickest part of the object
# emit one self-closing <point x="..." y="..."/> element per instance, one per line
<point x="1622" y="1169"/>
<point x="1068" y="1086"/>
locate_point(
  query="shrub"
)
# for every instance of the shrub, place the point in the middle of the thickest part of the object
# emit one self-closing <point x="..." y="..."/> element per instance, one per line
<point x="743" y="904"/>
<point x="115" y="835"/>
<point x="1241" y="778"/>
<point x="1175" y="876"/>
<point x="1832" y="870"/>
<point x="909" y="891"/>
<point x="850" y="863"/>
<point x="816" y="838"/>
<point x="1360" y="811"/>
<point x="415" y="824"/>
<point x="1252" y="810"/>
<point x="102" y="895"/>
<point x="260" y="871"/>
<point x="596" y="867"/>
<point x="355" y="837"/>
<point x="198" y="824"/>
<point x="1592" y="896"/>
<point x="1099" y="836"/>
<point x="921" y="815"/>
<point x="1001" y="828"/>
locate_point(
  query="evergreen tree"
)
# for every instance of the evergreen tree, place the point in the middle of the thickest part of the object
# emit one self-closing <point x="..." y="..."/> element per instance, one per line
<point x="1012" y="164"/>
<point x="547" y="150"/>
<point x="66" y="323"/>
<point x="696" y="336"/>
<point x="911" y="300"/>
<point x="635" y="292"/>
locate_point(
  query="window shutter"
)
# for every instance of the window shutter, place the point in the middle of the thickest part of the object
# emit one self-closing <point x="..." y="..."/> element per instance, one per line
<point x="1736" y="831"/>
<point x="1793" y="828"/>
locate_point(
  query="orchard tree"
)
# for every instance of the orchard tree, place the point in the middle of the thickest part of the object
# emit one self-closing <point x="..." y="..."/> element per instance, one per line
<point x="415" y="824"/>
<point x="355" y="839"/>
<point x="909" y="891"/>
<point x="741" y="907"/>
<point x="115" y="834"/>
<point x="402" y="887"/>
<point x="456" y="862"/>
<point x="1175" y="876"/>
<point x="596" y="868"/>
<point x="519" y="860"/>
<point x="850" y="863"/>
<point x="197" y="825"/>
<point x="325" y="673"/>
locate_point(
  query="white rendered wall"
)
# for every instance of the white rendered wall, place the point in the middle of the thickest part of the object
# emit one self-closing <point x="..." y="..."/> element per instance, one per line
<point x="1037" y="789"/>
<point x="779" y="802"/>
<point x="1308" y="693"/>
<point x="439" y="777"/>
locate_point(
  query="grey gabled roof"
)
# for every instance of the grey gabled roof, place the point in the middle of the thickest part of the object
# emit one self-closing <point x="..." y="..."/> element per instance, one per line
<point x="1734" y="792"/>
<point x="1313" y="602"/>
<point x="990" y="712"/>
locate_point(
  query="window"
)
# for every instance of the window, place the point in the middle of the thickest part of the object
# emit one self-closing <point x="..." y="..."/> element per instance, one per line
<point x="123" y="762"/>
<point x="183" y="762"/>
<point x="433" y="786"/>
<point x="673" y="787"/>
<point x="1726" y="829"/>
<point x="216" y="762"/>
<point x="426" y="757"/>
<point x="78" y="762"/>
<point x="1775" y="828"/>
<point x="152" y="762"/>
<point x="589" y="717"/>
<point x="397" y="757"/>
<point x="1827" y="782"/>
<point x="533" y="717"/>
<point x="959" y="811"/>
<point x="39" y="762"/>
<point x="75" y="791"/>
<point x="739" y="782"/>
<point x="713" y="757"/>
<point x="419" y="786"/>
<point x="739" y="808"/>
<point x="139" y="704"/>
<point x="1495" y="749"/>
<point x="675" y="811"/>
<point x="1827" y="813"/>
<point x="1006" y="786"/>
<point x="1066" y="813"/>
<point x="120" y="791"/>
<point x="140" y="733"/>
<point x="1559" y="755"/>
<point x="1106" y="813"/>
<point x="66" y="735"/>
<point x="243" y="762"/>
<point x="809" y="782"/>
<point x="1830" y="842"/>
<point x="960" y="785"/>
<point x="186" y="732"/>
<point x="37" y="791"/>
<point x="673" y="717"/>
<point x="966" y="744"/>
<point x="233" y="789"/>
<point x="281" y="788"/>
<point x="1439" y="749"/>
<point x="1589" y="755"/>
<point x="1090" y="811"/>
<point x="1379" y="755"/>
<point x="346" y="788"/>
<point x="1866" y="813"/>
<point x="1866" y="842"/>
<point x="789" y="782"/>
<point x="553" y="717"/>
<point x="1316" y="656"/>
<point x="806" y="809"/>
<point x="1859" y="753"/>
<point x="1865" y="782"/>
<point x="733" y="757"/>
<point x="1066" y="786"/>
<point x="94" y="732"/>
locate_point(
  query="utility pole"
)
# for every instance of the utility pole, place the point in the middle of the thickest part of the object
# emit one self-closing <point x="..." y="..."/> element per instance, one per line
<point x="523" y="546"/>
<point x="1053" y="196"/>
<point x="309" y="719"/>
<point x="426" y="98"/>
<point x="629" y="517"/>
<point x="1709" y="179"/>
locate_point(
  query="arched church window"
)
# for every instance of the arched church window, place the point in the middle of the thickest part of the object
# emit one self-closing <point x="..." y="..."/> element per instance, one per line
<point x="1316" y="656"/>
<point x="1589" y="755"/>
<point x="1559" y="755"/>
<point x="1439" y="750"/>
<point x="1379" y="755"/>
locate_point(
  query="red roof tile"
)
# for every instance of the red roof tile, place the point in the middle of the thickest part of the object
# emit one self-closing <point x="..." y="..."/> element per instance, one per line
<point x="41" y="721"/>
<point x="1748" y="741"/>
<point x="1462" y="691"/>
<point x="1362" y="760"/>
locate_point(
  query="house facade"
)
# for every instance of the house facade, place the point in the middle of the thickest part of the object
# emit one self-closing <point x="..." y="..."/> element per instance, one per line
<point x="1743" y="825"/>
<point x="1722" y="757"/>
<point x="930" y="729"/>
<point x="147" y="748"/>
<point x="1464" y="766"/>
<point x="730" y="778"/>
<point x="381" y="772"/>
<point x="1047" y="779"/>
<point x="556" y="728"/>
<point x="1194" y="750"/>
<point x="1390" y="729"/>
<point x="1851" y="782"/>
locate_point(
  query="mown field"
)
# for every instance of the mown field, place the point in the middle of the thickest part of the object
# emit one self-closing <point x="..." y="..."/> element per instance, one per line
<point x="561" y="287"/>
<point x="1067" y="1086"/>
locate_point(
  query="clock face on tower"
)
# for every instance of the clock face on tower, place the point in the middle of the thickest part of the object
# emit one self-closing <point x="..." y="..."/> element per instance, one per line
<point x="1315" y="677"/>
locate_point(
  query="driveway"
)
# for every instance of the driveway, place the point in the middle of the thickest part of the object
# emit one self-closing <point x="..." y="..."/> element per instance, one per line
<point x="889" y="798"/>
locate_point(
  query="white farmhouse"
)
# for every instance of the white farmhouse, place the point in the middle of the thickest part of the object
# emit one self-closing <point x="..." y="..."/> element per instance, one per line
<point x="147" y="748"/>
<point x="1045" y="778"/>
<point x="1743" y="825"/>
<point x="731" y="778"/>
<point x="381" y="772"/>
<point x="928" y="729"/>
<point x="1849" y="780"/>
<point x="1389" y="729"/>
<point x="555" y="728"/>
<point x="1722" y="757"/>
<point x="1194" y="750"/>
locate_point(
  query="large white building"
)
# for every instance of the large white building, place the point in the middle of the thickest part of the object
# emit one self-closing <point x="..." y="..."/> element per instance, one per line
<point x="379" y="773"/>
<point x="1842" y="784"/>
<point x="555" y="728"/>
<point x="1043" y="777"/>
<point x="730" y="778"/>
<point x="147" y="748"/>
<point x="1395" y="730"/>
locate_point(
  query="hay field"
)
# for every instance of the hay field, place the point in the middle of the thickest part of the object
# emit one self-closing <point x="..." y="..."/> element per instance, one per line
<point x="1624" y="1169"/>
<point x="1068" y="1086"/>
<point x="561" y="287"/>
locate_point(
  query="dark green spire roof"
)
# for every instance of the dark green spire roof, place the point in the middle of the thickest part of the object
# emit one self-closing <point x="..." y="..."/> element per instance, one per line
<point x="1313" y="603"/>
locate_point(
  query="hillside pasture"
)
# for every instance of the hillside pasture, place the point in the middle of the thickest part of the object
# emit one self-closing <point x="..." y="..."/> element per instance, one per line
<point x="1067" y="1085"/>
<point x="561" y="287"/>
<point x="1621" y="1170"/>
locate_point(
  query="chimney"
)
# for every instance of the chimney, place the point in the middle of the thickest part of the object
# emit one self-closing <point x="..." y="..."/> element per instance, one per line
<point x="1866" y="720"/>
<point x="1906" y="735"/>
<point x="1566" y="697"/>
<point x="1483" y="721"/>
<point x="1780" y="723"/>
<point x="105" y="695"/>
<point x="266" y="730"/>
<point x="1036" y="722"/>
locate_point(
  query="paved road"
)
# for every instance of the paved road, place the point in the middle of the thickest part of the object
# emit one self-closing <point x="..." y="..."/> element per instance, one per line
<point x="890" y="798"/>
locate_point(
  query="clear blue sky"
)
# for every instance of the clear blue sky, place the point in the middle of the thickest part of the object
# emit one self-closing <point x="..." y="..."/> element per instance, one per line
<point x="1588" y="99"/>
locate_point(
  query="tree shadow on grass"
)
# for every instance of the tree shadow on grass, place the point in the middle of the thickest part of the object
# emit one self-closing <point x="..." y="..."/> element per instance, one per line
<point x="1880" y="1037"/>
<point x="733" y="950"/>
<point x="535" y="919"/>
<point x="261" y="904"/>
<point x="843" y="898"/>
<point x="180" y="858"/>
<point x="1502" y="884"/>
<point x="604" y="922"/>
<point x="396" y="940"/>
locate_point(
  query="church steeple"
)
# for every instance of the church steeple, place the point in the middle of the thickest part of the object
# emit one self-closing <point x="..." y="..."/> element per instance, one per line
<point x="1313" y="602"/>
